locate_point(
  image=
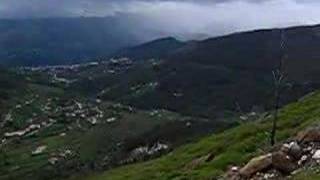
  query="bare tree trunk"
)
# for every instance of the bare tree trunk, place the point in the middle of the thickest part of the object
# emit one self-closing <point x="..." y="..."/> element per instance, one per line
<point x="278" y="77"/>
<point x="275" y="118"/>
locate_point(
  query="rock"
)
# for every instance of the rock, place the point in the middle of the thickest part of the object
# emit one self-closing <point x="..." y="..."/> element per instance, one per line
<point x="112" y="119"/>
<point x="188" y="124"/>
<point x="303" y="159"/>
<point x="93" y="120"/>
<point x="307" y="149"/>
<point x="235" y="168"/>
<point x="285" y="148"/>
<point x="283" y="162"/>
<point x="65" y="153"/>
<point x="269" y="176"/>
<point x="199" y="161"/>
<point x="233" y="173"/>
<point x="295" y="150"/>
<point x="244" y="118"/>
<point x="143" y="152"/>
<point x="256" y="165"/>
<point x="309" y="135"/>
<point x="39" y="150"/>
<point x="8" y="117"/>
<point x="53" y="160"/>
<point x="296" y="171"/>
<point x="316" y="155"/>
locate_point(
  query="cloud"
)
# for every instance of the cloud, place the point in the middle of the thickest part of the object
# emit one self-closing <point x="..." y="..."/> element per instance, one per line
<point x="188" y="17"/>
<point x="177" y="17"/>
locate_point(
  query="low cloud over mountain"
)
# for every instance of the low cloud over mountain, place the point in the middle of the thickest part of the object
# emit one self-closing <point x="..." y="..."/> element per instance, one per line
<point x="186" y="19"/>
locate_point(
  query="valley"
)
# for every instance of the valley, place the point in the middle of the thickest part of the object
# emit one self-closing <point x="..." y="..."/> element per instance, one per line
<point x="162" y="110"/>
<point x="49" y="131"/>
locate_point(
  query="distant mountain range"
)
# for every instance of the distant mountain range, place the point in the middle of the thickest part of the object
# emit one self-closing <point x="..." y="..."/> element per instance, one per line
<point x="225" y="73"/>
<point x="62" y="40"/>
<point x="222" y="73"/>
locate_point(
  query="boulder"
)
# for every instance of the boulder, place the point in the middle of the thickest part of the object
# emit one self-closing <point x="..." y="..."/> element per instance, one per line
<point x="293" y="149"/>
<point x="285" y="148"/>
<point x="309" y="135"/>
<point x="283" y="163"/>
<point x="256" y="165"/>
<point x="316" y="155"/>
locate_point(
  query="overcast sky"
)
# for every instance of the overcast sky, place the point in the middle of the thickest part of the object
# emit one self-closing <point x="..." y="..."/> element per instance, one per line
<point x="177" y="17"/>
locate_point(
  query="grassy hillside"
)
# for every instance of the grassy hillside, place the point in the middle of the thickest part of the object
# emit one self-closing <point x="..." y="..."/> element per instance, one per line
<point x="70" y="137"/>
<point x="10" y="86"/>
<point x="232" y="147"/>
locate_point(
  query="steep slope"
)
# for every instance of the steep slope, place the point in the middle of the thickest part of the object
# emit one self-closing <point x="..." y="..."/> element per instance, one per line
<point x="260" y="51"/>
<point x="232" y="147"/>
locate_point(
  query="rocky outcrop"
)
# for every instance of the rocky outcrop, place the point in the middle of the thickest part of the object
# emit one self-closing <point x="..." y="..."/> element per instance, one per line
<point x="283" y="162"/>
<point x="286" y="159"/>
<point x="295" y="150"/>
<point x="256" y="165"/>
<point x="309" y="135"/>
<point x="316" y="155"/>
<point x="146" y="152"/>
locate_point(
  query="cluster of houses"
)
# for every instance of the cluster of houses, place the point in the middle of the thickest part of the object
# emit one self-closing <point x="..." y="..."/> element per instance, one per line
<point x="59" y="68"/>
<point x="145" y="152"/>
<point x="51" y="112"/>
<point x="67" y="74"/>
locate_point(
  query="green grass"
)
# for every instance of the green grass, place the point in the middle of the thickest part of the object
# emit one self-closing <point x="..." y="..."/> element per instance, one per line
<point x="308" y="174"/>
<point x="15" y="157"/>
<point x="232" y="147"/>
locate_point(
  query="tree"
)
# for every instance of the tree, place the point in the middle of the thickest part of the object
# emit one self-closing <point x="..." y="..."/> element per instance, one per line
<point x="278" y="80"/>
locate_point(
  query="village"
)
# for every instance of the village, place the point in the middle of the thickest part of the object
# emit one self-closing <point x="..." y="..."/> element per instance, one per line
<point x="67" y="74"/>
<point x="39" y="116"/>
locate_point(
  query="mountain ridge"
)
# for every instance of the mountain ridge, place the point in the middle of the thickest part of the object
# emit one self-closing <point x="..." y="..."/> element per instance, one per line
<point x="226" y="70"/>
<point x="158" y="49"/>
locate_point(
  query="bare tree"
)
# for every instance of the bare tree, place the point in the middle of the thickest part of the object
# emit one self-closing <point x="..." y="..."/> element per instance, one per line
<point x="278" y="79"/>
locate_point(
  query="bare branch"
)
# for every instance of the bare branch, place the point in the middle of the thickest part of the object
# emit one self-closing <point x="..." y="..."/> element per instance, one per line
<point x="278" y="78"/>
